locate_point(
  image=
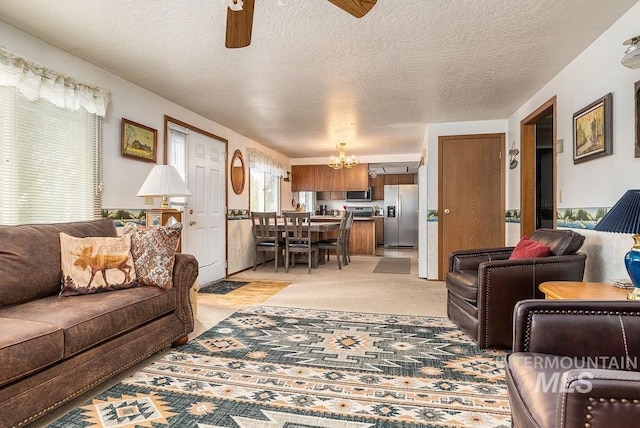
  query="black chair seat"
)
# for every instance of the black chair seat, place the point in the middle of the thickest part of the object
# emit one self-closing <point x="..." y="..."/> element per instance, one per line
<point x="269" y="243"/>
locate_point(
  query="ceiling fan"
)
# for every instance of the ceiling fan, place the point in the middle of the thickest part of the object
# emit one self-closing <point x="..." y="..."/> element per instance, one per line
<point x="240" y="18"/>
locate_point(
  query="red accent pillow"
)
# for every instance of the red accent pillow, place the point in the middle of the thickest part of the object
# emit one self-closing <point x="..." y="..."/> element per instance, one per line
<point x="527" y="249"/>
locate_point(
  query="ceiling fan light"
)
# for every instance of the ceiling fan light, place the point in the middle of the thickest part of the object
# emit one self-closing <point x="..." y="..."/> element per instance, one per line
<point x="631" y="56"/>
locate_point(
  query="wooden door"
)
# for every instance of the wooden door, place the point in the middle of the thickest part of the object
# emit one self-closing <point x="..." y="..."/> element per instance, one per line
<point x="470" y="194"/>
<point x="528" y="170"/>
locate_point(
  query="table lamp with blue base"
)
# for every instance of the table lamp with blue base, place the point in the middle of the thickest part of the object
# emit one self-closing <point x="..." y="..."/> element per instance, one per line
<point x="624" y="217"/>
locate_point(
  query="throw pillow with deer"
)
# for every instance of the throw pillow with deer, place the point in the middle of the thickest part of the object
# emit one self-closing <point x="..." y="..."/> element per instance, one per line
<point x="95" y="264"/>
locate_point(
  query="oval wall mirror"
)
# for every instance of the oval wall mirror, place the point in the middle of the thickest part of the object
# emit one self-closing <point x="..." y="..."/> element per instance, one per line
<point x="237" y="172"/>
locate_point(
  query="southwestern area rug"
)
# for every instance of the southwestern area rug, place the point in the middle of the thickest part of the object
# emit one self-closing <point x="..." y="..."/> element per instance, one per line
<point x="300" y="368"/>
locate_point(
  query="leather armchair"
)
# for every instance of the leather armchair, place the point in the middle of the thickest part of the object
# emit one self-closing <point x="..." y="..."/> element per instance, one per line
<point x="483" y="286"/>
<point x="575" y="364"/>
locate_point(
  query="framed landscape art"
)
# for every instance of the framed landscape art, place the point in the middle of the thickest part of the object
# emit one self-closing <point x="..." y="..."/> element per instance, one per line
<point x="138" y="141"/>
<point x="592" y="130"/>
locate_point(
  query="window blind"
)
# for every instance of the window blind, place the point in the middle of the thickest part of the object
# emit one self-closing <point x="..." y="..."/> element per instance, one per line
<point x="50" y="161"/>
<point x="177" y="156"/>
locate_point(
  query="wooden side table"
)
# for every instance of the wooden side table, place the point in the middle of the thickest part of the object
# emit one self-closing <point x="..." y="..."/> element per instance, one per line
<point x="570" y="290"/>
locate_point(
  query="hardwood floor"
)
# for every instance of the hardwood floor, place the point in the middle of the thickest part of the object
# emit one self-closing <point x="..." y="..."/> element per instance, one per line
<point x="253" y="293"/>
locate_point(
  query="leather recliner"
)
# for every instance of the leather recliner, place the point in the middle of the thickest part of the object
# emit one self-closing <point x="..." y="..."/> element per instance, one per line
<point x="575" y="364"/>
<point x="483" y="285"/>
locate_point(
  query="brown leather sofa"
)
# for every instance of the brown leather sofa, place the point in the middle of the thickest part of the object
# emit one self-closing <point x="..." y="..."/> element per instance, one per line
<point x="575" y="364"/>
<point x="54" y="348"/>
<point x="483" y="285"/>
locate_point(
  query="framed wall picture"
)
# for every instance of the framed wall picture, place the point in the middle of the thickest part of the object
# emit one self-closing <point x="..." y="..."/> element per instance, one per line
<point x="637" y="117"/>
<point x="592" y="130"/>
<point x="138" y="141"/>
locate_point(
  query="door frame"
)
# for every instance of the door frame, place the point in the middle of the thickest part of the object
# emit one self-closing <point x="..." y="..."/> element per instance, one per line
<point x="442" y="269"/>
<point x="528" y="166"/>
<point x="169" y="119"/>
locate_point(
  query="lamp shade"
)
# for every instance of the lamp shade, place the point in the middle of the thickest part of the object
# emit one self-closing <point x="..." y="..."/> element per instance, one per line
<point x="164" y="180"/>
<point x="624" y="216"/>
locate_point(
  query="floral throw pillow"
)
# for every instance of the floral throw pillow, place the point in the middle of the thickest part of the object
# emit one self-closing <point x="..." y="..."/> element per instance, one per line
<point x="95" y="264"/>
<point x="154" y="249"/>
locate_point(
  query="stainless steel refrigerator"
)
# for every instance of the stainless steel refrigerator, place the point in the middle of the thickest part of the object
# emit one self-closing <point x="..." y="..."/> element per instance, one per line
<point x="401" y="215"/>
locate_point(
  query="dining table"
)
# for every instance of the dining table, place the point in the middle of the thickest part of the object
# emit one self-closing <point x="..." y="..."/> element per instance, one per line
<point x="315" y="226"/>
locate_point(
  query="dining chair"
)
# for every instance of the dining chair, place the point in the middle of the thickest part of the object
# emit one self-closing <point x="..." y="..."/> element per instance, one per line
<point x="339" y="244"/>
<point x="268" y="239"/>
<point x="298" y="239"/>
<point x="347" y="252"/>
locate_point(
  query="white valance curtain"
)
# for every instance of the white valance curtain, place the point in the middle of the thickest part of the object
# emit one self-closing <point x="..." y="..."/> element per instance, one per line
<point x="37" y="82"/>
<point x="263" y="162"/>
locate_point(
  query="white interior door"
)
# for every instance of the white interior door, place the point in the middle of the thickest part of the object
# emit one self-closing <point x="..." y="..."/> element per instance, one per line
<point x="206" y="212"/>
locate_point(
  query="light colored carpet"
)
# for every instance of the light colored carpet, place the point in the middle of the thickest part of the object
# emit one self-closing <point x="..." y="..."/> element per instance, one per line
<point x="393" y="265"/>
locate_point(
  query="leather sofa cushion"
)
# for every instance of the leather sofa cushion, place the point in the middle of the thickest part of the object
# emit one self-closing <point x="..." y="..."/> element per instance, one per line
<point x="30" y="257"/>
<point x="560" y="242"/>
<point x="27" y="346"/>
<point x="464" y="283"/>
<point x="90" y="319"/>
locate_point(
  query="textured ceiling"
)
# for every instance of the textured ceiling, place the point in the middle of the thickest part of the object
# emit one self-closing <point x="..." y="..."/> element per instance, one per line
<point x="314" y="76"/>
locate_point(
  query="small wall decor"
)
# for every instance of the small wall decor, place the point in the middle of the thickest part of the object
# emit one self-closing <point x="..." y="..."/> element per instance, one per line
<point x="513" y="152"/>
<point x="637" y="116"/>
<point x="138" y="141"/>
<point x="592" y="130"/>
<point x="237" y="172"/>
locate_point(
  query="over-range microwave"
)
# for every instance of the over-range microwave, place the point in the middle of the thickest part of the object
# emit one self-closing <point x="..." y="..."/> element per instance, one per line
<point x="359" y="195"/>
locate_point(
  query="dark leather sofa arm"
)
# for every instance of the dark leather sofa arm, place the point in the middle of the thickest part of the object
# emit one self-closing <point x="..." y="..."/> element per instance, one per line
<point x="599" y="398"/>
<point x="185" y="272"/>
<point x="577" y="328"/>
<point x="471" y="259"/>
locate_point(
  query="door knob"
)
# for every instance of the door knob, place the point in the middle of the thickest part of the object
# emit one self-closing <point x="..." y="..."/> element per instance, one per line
<point x="192" y="223"/>
<point x="447" y="211"/>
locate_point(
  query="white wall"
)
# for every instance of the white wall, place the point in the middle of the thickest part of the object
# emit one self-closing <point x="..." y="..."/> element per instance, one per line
<point x="599" y="182"/>
<point x="123" y="176"/>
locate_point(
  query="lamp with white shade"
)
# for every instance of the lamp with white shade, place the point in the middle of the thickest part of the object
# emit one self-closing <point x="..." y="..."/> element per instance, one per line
<point x="164" y="181"/>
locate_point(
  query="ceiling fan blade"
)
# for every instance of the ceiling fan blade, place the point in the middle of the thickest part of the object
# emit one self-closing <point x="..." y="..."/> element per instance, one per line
<point x="357" y="8"/>
<point x="239" y="24"/>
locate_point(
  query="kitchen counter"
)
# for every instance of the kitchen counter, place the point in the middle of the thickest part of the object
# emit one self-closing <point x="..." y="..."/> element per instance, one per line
<point x="338" y="218"/>
<point x="363" y="233"/>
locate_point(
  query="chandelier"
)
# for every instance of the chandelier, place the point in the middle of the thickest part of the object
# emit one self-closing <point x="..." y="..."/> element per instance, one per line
<point x="341" y="161"/>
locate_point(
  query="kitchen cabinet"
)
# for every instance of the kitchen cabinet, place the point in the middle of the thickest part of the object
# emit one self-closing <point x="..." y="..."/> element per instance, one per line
<point x="363" y="234"/>
<point x="377" y="187"/>
<point x="406" y="178"/>
<point x="331" y="196"/>
<point x="356" y="178"/>
<point x="399" y="179"/>
<point x="320" y="178"/>
<point x="303" y="178"/>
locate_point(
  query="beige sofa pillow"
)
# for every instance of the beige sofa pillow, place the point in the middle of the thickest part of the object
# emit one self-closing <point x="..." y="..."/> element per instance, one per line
<point x="95" y="264"/>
